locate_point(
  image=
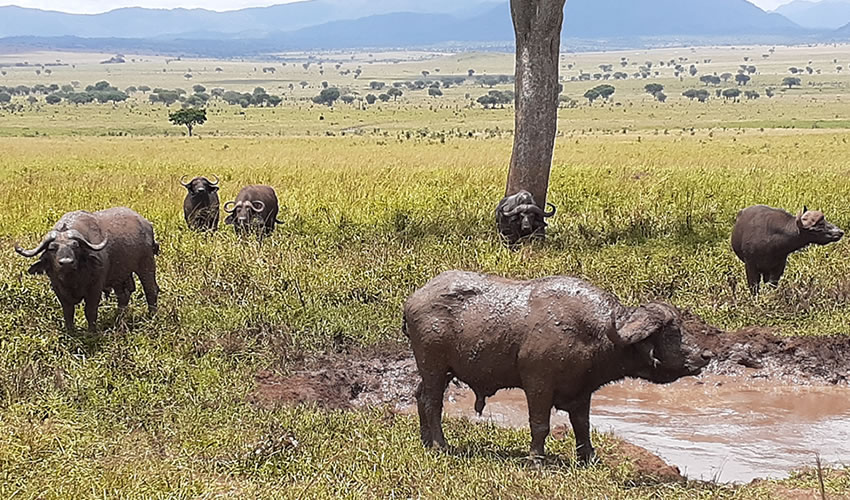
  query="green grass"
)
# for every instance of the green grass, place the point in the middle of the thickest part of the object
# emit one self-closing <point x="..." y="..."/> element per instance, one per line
<point x="85" y="414"/>
<point x="162" y="410"/>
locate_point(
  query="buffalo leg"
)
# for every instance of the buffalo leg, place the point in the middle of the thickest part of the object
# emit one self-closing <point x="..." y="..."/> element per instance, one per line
<point x="424" y="424"/>
<point x="753" y="279"/>
<point x="580" y="420"/>
<point x="123" y="293"/>
<point x="539" y="412"/>
<point x="429" y="402"/>
<point x="772" y="277"/>
<point x="68" y="312"/>
<point x="92" y="303"/>
<point x="123" y="296"/>
<point x="148" y="279"/>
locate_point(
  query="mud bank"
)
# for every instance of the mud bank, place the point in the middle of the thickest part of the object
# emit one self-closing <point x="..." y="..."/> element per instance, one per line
<point x="765" y="406"/>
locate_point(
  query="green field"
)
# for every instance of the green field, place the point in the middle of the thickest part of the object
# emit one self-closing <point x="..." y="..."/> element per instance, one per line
<point x="375" y="201"/>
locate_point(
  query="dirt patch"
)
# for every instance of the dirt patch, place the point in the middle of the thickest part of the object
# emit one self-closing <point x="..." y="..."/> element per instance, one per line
<point x="388" y="375"/>
<point x="759" y="352"/>
<point x="335" y="382"/>
<point x="647" y="468"/>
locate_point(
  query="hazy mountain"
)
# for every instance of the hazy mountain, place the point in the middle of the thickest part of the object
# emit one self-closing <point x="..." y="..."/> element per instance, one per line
<point x="582" y="19"/>
<point x="670" y="17"/>
<point x="827" y="14"/>
<point x="295" y="26"/>
<point x="146" y="23"/>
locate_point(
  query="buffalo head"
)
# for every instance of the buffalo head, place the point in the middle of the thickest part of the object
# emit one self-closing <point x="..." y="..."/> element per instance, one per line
<point x="664" y="350"/>
<point x="814" y="227"/>
<point x="200" y="187"/>
<point x="242" y="214"/>
<point x="519" y="216"/>
<point x="63" y="251"/>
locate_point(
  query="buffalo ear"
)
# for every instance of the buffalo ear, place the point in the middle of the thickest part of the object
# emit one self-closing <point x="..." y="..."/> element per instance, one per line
<point x="39" y="267"/>
<point x="804" y="224"/>
<point x="229" y="219"/>
<point x="643" y="322"/>
<point x="213" y="189"/>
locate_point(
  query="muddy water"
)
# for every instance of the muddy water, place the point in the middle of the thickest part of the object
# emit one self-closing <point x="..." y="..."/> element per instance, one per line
<point x="712" y="428"/>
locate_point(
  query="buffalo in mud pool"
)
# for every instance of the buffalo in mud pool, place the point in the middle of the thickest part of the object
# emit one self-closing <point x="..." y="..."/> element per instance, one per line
<point x="558" y="338"/>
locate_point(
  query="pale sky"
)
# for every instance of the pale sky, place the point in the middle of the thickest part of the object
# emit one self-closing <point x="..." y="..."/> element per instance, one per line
<point x="94" y="6"/>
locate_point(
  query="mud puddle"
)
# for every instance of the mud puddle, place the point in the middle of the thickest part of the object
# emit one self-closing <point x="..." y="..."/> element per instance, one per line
<point x="712" y="428"/>
<point x="764" y="407"/>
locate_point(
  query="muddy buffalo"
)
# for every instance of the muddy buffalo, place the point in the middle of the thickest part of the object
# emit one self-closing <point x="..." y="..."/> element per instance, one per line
<point x="558" y="338"/>
<point x="201" y="205"/>
<point x="763" y="237"/>
<point x="519" y="216"/>
<point x="86" y="255"/>
<point x="254" y="210"/>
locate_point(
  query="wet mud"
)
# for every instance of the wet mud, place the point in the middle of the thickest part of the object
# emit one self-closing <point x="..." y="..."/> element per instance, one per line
<point x="766" y="405"/>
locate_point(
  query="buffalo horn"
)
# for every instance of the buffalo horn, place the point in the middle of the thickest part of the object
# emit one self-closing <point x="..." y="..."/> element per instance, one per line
<point x="48" y="239"/>
<point x="74" y="234"/>
<point x="232" y="209"/>
<point x="254" y="206"/>
<point x="185" y="184"/>
<point x="522" y="208"/>
<point x="552" y="213"/>
<point x="217" y="180"/>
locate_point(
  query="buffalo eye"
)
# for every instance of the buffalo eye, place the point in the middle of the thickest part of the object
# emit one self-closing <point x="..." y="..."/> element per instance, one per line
<point x="53" y="247"/>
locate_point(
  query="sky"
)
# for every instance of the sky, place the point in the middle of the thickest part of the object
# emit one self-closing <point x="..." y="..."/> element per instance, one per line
<point x="94" y="6"/>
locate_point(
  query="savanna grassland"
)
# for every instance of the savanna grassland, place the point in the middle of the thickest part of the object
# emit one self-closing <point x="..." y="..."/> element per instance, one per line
<point x="376" y="199"/>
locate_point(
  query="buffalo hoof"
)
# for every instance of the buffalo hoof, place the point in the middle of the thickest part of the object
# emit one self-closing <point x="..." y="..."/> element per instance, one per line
<point x="536" y="461"/>
<point x="587" y="458"/>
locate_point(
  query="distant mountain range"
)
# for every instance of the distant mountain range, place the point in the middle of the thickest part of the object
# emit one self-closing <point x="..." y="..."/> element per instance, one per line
<point x="252" y="22"/>
<point x="826" y="14"/>
<point x="336" y="24"/>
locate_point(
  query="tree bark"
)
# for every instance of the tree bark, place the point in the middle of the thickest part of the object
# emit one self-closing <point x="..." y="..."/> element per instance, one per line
<point x="190" y="129"/>
<point x="537" y="24"/>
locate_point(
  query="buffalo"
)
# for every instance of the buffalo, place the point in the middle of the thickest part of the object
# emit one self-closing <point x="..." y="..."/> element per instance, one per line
<point x="86" y="255"/>
<point x="763" y="237"/>
<point x="255" y="209"/>
<point x="558" y="338"/>
<point x="519" y="216"/>
<point x="200" y="207"/>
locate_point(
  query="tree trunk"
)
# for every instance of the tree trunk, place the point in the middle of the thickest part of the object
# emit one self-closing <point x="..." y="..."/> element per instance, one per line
<point x="537" y="24"/>
<point x="190" y="130"/>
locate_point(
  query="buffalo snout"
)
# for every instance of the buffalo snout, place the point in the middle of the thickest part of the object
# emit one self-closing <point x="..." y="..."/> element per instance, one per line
<point x="835" y="233"/>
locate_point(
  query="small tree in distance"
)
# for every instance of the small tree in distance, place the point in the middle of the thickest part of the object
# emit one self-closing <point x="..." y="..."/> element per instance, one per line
<point x="653" y="88"/>
<point x="731" y="94"/>
<point x="791" y="81"/>
<point x="327" y="96"/>
<point x="188" y="118"/>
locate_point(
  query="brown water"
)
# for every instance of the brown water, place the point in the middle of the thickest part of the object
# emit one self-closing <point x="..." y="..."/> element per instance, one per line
<point x="712" y="428"/>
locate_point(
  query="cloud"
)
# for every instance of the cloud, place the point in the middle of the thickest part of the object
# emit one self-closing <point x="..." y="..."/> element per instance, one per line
<point x="96" y="6"/>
